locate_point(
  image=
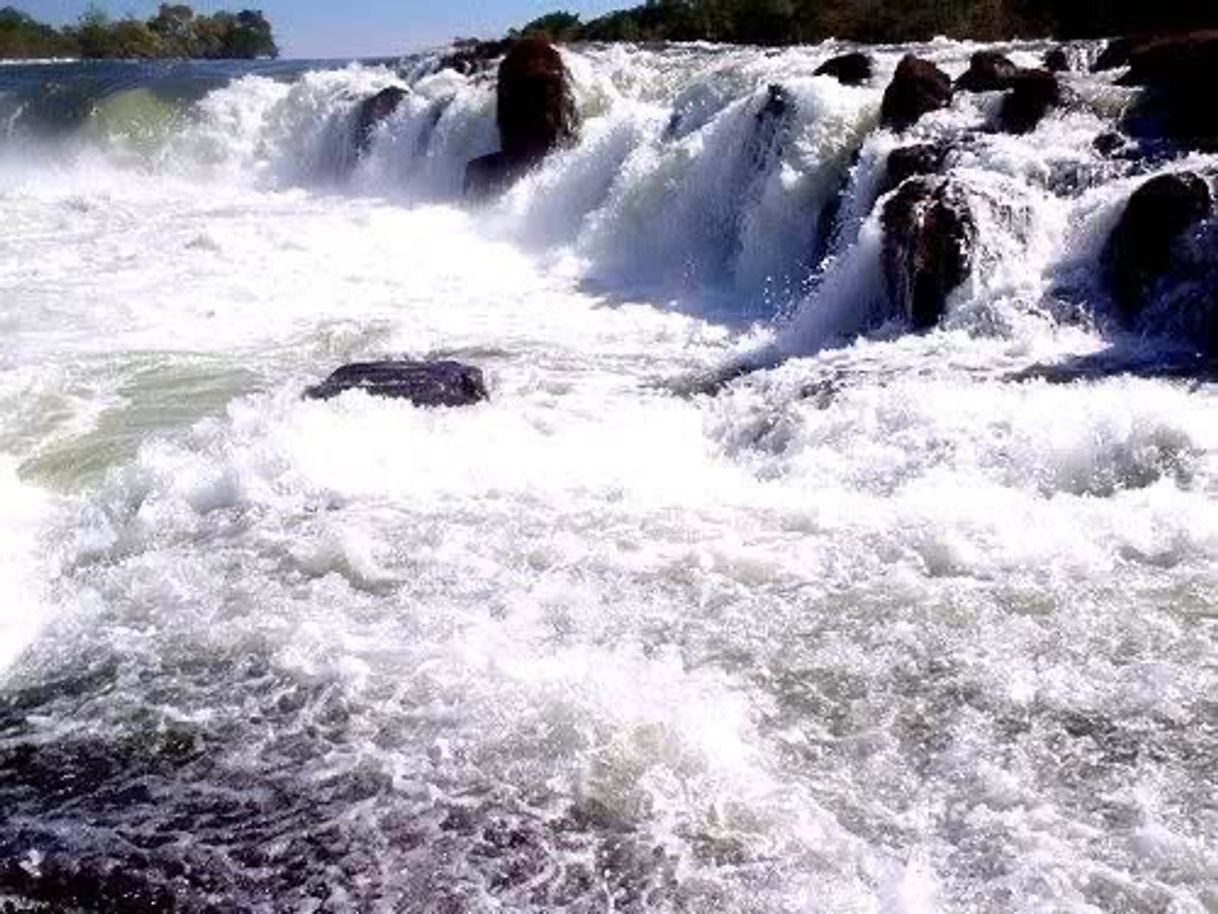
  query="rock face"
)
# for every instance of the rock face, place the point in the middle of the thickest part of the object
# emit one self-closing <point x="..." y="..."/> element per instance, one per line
<point x="422" y="383"/>
<point x="929" y="235"/>
<point x="536" y="115"/>
<point x="1175" y="73"/>
<point x="1139" y="251"/>
<point x="988" y="71"/>
<point x="917" y="88"/>
<point x="852" y="69"/>
<point x="372" y="111"/>
<point x="1033" y="93"/>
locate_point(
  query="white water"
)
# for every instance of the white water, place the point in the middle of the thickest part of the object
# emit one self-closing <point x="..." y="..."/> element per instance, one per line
<point x="881" y="629"/>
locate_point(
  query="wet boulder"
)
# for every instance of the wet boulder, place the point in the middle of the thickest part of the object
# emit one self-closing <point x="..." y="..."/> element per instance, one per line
<point x="1175" y="74"/>
<point x="1056" y="60"/>
<point x="918" y="87"/>
<point x="372" y="111"/>
<point x="988" y="71"/>
<point x="851" y="69"/>
<point x="471" y="57"/>
<point x="441" y="383"/>
<point x="1140" y="248"/>
<point x="536" y="114"/>
<point x="1033" y="94"/>
<point x="929" y="237"/>
<point x="914" y="161"/>
<point x="1117" y="52"/>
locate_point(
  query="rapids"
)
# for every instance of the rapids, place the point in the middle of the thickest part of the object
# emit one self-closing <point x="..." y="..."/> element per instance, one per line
<point x="899" y="623"/>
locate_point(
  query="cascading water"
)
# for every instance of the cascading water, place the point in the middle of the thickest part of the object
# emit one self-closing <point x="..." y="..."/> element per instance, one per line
<point x="895" y="623"/>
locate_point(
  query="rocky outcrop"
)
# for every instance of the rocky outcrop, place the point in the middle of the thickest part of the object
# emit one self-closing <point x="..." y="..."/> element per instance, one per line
<point x="1139" y="251"/>
<point x="851" y="69"/>
<point x="988" y="71"/>
<point x="536" y="115"/>
<point x="372" y="111"/>
<point x="422" y="383"/>
<point x="1175" y="73"/>
<point x="929" y="236"/>
<point x="1033" y="93"/>
<point x="470" y="57"/>
<point x="918" y="87"/>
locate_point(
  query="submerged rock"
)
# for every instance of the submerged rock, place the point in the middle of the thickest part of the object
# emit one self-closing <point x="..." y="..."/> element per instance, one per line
<point x="988" y="71"/>
<point x="373" y="111"/>
<point x="1139" y="251"/>
<point x="536" y="115"/>
<point x="1033" y="93"/>
<point x="771" y="125"/>
<point x="422" y="383"/>
<point x="929" y="235"/>
<point x="851" y="69"/>
<point x="917" y="88"/>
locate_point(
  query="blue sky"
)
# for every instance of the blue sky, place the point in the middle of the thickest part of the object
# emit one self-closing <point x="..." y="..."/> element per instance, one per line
<point x="325" y="28"/>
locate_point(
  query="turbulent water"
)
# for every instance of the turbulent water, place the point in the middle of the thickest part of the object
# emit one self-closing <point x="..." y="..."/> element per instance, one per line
<point x="902" y="623"/>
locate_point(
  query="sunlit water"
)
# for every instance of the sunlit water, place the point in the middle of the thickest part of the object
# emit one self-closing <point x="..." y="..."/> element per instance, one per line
<point x="889" y="627"/>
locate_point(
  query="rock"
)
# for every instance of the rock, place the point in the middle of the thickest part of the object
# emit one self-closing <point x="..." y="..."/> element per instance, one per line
<point x="851" y="69"/>
<point x="1056" y="60"/>
<point x="1116" y="53"/>
<point x="912" y="161"/>
<point x="1175" y="73"/>
<point x="929" y="235"/>
<point x="491" y="175"/>
<point x="470" y="56"/>
<point x="422" y="383"/>
<point x="1139" y="251"/>
<point x="372" y="111"/>
<point x="1110" y="143"/>
<point x="536" y="111"/>
<point x="536" y="114"/>
<point x="917" y="88"/>
<point x="771" y="125"/>
<point x="1032" y="94"/>
<point x="988" y="71"/>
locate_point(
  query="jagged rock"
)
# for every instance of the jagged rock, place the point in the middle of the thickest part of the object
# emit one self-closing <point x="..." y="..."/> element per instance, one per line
<point x="372" y="111"/>
<point x="1175" y="72"/>
<point x="1056" y="60"/>
<point x="851" y="69"/>
<point x="929" y="235"/>
<point x="1139" y="251"/>
<point x="1116" y="53"/>
<point x="988" y="71"/>
<point x="917" y="88"/>
<point x="912" y="161"/>
<point x="536" y="114"/>
<point x="1033" y="93"/>
<point x="422" y="383"/>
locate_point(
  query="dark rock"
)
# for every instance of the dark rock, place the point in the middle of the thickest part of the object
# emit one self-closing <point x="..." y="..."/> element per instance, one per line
<point x="912" y="161"/>
<point x="851" y="69"/>
<point x="917" y="88"/>
<point x="771" y="125"/>
<point x="1056" y="60"/>
<point x="1109" y="143"/>
<point x="1116" y="53"/>
<point x="422" y="383"/>
<point x="536" y="114"/>
<point x="536" y="110"/>
<point x="372" y="111"/>
<point x="1033" y="93"/>
<point x="470" y="56"/>
<point x="1139" y="251"/>
<point x="988" y="71"/>
<point x="491" y="175"/>
<point x="1175" y="73"/>
<point x="929" y="235"/>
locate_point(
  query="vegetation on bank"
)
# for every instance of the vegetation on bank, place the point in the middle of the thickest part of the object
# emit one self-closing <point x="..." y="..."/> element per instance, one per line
<point x="175" y="31"/>
<point x="781" y="22"/>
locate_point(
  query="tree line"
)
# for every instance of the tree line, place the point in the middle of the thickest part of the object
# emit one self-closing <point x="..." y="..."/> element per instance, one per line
<point x="175" y="31"/>
<point x="782" y="22"/>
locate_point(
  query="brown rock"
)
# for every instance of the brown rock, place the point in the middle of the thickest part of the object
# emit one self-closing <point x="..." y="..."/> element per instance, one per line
<point x="917" y="88"/>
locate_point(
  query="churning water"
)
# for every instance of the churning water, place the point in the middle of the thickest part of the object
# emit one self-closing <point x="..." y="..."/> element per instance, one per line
<point x="900" y="624"/>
